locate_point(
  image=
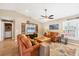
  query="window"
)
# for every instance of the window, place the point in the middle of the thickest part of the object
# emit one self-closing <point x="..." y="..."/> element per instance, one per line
<point x="30" y="29"/>
<point x="71" y="29"/>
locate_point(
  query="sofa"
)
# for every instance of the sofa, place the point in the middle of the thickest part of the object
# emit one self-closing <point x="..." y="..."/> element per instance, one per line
<point x="25" y="46"/>
<point x="53" y="35"/>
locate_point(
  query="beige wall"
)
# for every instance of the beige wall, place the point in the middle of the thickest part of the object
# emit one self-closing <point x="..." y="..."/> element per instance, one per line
<point x="46" y="25"/>
<point x="18" y="18"/>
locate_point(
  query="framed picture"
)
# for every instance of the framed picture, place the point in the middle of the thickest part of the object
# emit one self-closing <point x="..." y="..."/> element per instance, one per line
<point x="54" y="27"/>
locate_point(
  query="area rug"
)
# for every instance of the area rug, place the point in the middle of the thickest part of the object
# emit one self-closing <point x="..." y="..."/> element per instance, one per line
<point x="57" y="49"/>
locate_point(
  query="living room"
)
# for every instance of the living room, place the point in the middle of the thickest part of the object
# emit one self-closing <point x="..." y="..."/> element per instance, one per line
<point x="54" y="27"/>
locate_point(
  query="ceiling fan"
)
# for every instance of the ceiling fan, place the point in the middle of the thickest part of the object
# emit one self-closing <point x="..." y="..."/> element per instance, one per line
<point x="46" y="16"/>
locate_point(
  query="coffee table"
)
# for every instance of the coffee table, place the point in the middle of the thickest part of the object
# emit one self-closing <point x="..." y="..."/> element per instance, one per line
<point x="43" y="39"/>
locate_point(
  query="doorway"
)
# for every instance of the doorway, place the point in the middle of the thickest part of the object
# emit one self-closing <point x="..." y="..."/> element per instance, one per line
<point x="8" y="29"/>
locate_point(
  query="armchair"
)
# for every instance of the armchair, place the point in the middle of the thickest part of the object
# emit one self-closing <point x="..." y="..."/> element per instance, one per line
<point x="25" y="46"/>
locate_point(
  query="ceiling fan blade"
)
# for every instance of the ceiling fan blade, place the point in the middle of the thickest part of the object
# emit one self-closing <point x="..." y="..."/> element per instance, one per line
<point x="42" y="16"/>
<point x="51" y="17"/>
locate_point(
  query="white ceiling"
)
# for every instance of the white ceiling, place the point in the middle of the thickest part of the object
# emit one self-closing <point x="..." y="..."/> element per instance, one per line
<point x="34" y="10"/>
